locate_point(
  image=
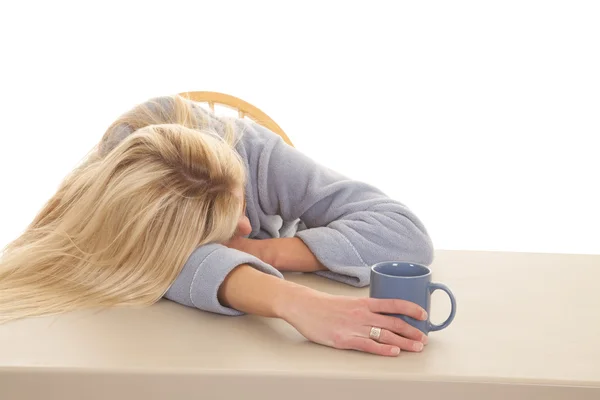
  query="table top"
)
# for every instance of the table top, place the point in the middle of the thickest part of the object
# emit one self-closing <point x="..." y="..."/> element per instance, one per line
<point x="521" y="318"/>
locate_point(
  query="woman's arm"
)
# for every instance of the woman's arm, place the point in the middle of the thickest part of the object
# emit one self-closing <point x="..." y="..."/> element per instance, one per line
<point x="285" y="254"/>
<point x="245" y="287"/>
<point x="336" y="321"/>
<point x="350" y="224"/>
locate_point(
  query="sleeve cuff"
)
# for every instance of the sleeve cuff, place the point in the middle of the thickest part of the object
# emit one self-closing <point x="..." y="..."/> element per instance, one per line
<point x="205" y="270"/>
<point x="338" y="255"/>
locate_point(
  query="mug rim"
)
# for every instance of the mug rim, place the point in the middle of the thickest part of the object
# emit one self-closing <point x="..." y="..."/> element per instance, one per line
<point x="404" y="263"/>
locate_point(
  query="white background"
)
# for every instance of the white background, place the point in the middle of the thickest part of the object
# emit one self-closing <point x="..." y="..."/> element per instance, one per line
<point x="481" y="116"/>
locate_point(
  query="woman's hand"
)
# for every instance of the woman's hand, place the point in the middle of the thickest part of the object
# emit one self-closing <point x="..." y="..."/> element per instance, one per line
<point x="345" y="322"/>
<point x="335" y="321"/>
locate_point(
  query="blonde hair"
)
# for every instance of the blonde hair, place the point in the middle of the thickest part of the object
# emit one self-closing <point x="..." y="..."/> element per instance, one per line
<point x="120" y="227"/>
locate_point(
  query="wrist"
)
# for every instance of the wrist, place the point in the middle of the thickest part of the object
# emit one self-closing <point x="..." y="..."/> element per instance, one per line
<point x="266" y="250"/>
<point x="290" y="300"/>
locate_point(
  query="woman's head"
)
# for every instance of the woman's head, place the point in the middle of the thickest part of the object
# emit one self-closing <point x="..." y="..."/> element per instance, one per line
<point x="165" y="110"/>
<point x="121" y="226"/>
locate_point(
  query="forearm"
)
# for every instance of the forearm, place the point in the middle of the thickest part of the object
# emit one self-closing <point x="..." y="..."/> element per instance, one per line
<point x="290" y="254"/>
<point x="285" y="254"/>
<point x="254" y="292"/>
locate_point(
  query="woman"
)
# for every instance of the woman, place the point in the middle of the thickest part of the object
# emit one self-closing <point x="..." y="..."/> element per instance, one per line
<point x="176" y="202"/>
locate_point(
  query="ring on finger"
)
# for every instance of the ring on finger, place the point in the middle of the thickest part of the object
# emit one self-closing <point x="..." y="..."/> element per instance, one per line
<point x="375" y="333"/>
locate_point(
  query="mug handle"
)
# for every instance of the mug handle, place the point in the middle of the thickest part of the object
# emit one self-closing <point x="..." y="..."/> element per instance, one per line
<point x="432" y="288"/>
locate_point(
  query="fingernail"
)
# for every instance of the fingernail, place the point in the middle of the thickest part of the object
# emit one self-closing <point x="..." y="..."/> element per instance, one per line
<point x="424" y="315"/>
<point x="425" y="339"/>
<point x="395" y="351"/>
<point x="418" y="346"/>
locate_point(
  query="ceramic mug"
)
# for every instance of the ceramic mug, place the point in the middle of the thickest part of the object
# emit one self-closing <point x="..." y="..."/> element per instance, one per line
<point x="411" y="282"/>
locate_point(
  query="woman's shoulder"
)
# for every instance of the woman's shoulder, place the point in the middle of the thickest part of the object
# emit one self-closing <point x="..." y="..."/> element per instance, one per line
<point x="254" y="139"/>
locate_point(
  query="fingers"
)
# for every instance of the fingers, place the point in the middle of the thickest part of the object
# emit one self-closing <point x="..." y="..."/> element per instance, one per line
<point x="402" y="343"/>
<point x="370" y="346"/>
<point x="389" y="344"/>
<point x="396" y="306"/>
<point x="398" y="326"/>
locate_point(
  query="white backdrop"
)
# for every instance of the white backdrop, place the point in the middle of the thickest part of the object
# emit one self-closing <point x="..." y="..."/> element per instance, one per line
<point x="483" y="117"/>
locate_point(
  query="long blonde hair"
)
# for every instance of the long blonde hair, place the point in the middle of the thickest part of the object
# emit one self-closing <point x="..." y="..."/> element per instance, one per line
<point x="120" y="227"/>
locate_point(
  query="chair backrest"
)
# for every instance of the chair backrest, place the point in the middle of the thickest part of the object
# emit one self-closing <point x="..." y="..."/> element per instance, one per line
<point x="243" y="108"/>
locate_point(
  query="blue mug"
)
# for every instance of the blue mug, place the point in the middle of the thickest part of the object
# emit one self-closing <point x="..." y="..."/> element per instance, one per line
<point x="411" y="282"/>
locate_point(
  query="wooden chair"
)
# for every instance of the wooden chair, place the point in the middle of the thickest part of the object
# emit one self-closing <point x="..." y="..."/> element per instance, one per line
<point x="243" y="108"/>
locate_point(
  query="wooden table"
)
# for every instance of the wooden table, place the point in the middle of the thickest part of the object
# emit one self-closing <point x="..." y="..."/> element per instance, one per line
<point x="527" y="327"/>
